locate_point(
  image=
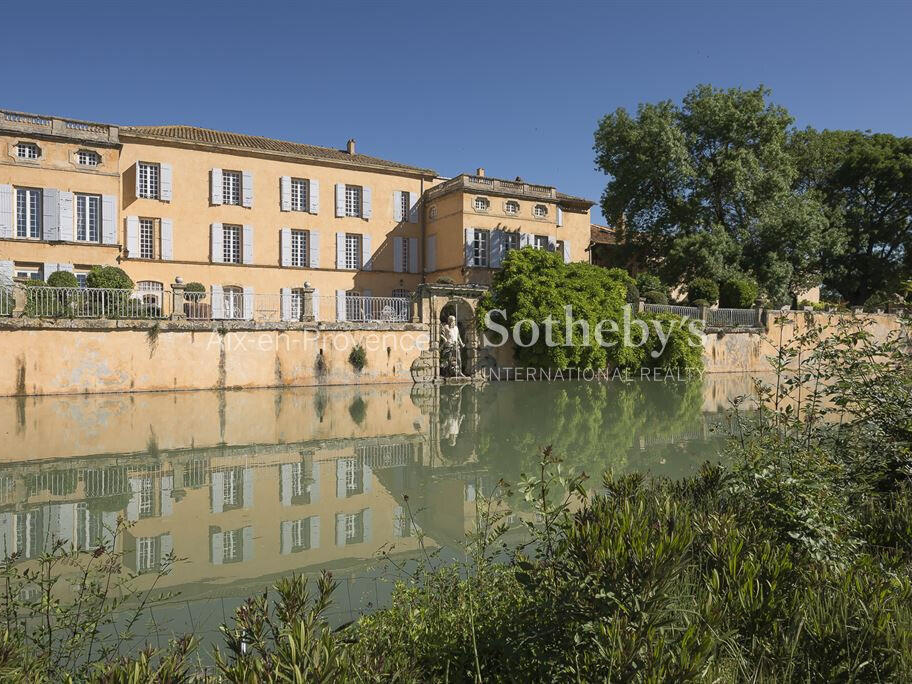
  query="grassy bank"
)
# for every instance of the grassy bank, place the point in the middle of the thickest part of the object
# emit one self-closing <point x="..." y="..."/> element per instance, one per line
<point x="793" y="563"/>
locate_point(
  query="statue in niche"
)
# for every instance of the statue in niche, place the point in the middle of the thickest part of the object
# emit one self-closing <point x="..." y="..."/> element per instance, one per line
<point x="451" y="345"/>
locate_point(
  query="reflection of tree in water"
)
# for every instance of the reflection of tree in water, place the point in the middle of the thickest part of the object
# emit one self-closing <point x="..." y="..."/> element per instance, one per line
<point x="358" y="410"/>
<point x="320" y="403"/>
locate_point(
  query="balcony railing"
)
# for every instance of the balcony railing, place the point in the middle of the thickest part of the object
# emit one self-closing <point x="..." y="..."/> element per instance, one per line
<point x="24" y="122"/>
<point x="485" y="184"/>
<point x="76" y="302"/>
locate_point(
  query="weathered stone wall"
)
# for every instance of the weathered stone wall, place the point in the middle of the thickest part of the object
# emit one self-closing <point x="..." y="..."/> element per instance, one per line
<point x="66" y="357"/>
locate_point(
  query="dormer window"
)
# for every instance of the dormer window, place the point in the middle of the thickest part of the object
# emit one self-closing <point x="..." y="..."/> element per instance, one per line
<point x="88" y="158"/>
<point x="27" y="150"/>
<point x="540" y="211"/>
<point x="511" y="208"/>
<point x="482" y="204"/>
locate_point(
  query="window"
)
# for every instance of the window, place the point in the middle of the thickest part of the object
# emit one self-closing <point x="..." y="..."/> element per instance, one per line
<point x="480" y="248"/>
<point x="32" y="272"/>
<point x="511" y="208"/>
<point x="559" y="247"/>
<point x="231" y="244"/>
<point x="297" y="305"/>
<point x="353" y="200"/>
<point x="26" y="150"/>
<point x="511" y="241"/>
<point x="152" y="292"/>
<point x="405" y="253"/>
<point x="482" y="204"/>
<point x="539" y="211"/>
<point x="354" y="527"/>
<point x="88" y="158"/>
<point x="432" y="212"/>
<point x="352" y="251"/>
<point x="300" y="535"/>
<point x="146" y="501"/>
<point x="231" y="492"/>
<point x="405" y="208"/>
<point x="28" y="213"/>
<point x="88" y="212"/>
<point x="232" y="546"/>
<point x="82" y="278"/>
<point x="541" y="242"/>
<point x="231" y="187"/>
<point x="299" y="248"/>
<point x="233" y="304"/>
<point x="402" y="293"/>
<point x="146" y="554"/>
<point x="146" y="238"/>
<point x="298" y="194"/>
<point x="149" y="175"/>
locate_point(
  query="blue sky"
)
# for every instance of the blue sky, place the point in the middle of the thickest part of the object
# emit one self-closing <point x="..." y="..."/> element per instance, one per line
<point x="515" y="87"/>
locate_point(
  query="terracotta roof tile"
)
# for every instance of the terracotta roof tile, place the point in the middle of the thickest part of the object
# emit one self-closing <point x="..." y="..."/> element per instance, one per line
<point x="602" y="235"/>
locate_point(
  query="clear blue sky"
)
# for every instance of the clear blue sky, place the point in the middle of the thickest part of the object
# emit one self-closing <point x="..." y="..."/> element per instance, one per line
<point x="515" y="87"/>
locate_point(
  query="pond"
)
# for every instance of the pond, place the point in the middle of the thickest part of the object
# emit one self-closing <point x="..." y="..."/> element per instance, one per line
<point x="246" y="486"/>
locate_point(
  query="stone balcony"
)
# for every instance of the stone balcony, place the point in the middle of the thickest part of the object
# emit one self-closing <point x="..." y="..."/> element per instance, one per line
<point x="56" y="127"/>
<point x="496" y="186"/>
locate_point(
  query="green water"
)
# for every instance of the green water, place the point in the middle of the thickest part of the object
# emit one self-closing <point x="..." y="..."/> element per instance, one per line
<point x="249" y="485"/>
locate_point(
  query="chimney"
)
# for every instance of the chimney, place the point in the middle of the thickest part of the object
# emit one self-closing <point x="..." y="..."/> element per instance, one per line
<point x="480" y="172"/>
<point x="351" y="146"/>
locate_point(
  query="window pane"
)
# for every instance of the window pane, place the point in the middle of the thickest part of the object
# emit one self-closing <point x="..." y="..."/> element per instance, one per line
<point x="148" y="180"/>
<point x="231" y="187"/>
<point x="146" y="239"/>
<point x="353" y="200"/>
<point x="298" y="194"/>
<point x="352" y="251"/>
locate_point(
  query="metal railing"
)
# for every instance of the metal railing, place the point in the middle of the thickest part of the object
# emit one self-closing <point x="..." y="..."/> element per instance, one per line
<point x="689" y="311"/>
<point x="732" y="318"/>
<point x="370" y="309"/>
<point x="76" y="302"/>
<point x="7" y="299"/>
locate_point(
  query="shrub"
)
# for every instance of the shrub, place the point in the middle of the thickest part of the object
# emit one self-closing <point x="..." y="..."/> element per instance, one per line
<point x="62" y="279"/>
<point x="647" y="282"/>
<point x="878" y="300"/>
<point x="195" y="291"/>
<point x="737" y="293"/>
<point x="358" y="358"/>
<point x="703" y="288"/>
<point x="655" y="297"/>
<point x="701" y="302"/>
<point x="108" y="277"/>
<point x="633" y="294"/>
<point x="683" y="350"/>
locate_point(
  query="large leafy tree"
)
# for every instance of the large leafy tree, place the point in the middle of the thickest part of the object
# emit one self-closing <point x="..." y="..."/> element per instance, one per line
<point x="714" y="177"/>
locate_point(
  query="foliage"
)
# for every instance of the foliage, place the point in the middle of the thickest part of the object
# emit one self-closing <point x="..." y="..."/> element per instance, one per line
<point x="195" y="291"/>
<point x="701" y="303"/>
<point x="737" y="293"/>
<point x="647" y="282"/>
<point x="655" y="297"/>
<point x="108" y="277"/>
<point x="358" y="357"/>
<point x="633" y="293"/>
<point x="703" y="288"/>
<point x="62" y="279"/>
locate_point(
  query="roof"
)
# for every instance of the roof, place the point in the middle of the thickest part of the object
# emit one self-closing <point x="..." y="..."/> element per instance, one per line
<point x="602" y="235"/>
<point x="256" y="143"/>
<point x="563" y="197"/>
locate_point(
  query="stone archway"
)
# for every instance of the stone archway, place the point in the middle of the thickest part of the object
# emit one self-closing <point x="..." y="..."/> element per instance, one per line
<point x="435" y="303"/>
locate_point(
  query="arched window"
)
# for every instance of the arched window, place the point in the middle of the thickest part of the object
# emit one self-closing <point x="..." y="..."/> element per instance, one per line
<point x="152" y="293"/>
<point x="234" y="301"/>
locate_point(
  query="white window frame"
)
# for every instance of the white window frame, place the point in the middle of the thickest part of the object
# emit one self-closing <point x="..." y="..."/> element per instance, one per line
<point x="231" y="488"/>
<point x="232" y="243"/>
<point x="152" y="292"/>
<point x="88" y="218"/>
<point x="146" y="554"/>
<point x="149" y="182"/>
<point x="541" y="242"/>
<point x="511" y="240"/>
<point x="300" y="247"/>
<point x="511" y="208"/>
<point x="405" y="207"/>
<point x="28" y="150"/>
<point x="354" y="246"/>
<point x="351" y="527"/>
<point x="29" y="213"/>
<point x="300" y="194"/>
<point x="147" y="238"/>
<point x="297" y="304"/>
<point x="146" y="497"/>
<point x="232" y="181"/>
<point x="233" y="303"/>
<point x="300" y="534"/>
<point x="540" y="211"/>
<point x="482" y="204"/>
<point x="30" y="272"/>
<point x="88" y="158"/>
<point x="354" y="197"/>
<point x="232" y="546"/>
<point x="481" y="248"/>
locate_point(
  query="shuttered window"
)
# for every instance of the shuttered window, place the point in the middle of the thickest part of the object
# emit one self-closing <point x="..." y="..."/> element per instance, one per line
<point x="231" y="187"/>
<point x="511" y="241"/>
<point x="149" y="180"/>
<point x="28" y="213"/>
<point x="352" y="251"/>
<point x="353" y="200"/>
<point x="299" y="248"/>
<point x="299" y="194"/>
<point x="146" y="554"/>
<point x="231" y="244"/>
<point x="541" y="242"/>
<point x="88" y="218"/>
<point x="232" y="544"/>
<point x="404" y="246"/>
<point x="480" y="248"/>
<point x="405" y="208"/>
<point x="146" y="238"/>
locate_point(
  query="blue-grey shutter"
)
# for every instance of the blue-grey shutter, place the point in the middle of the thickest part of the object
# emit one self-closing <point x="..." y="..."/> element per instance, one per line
<point x="132" y="237"/>
<point x="552" y="244"/>
<point x="6" y="211"/>
<point x="367" y="524"/>
<point x="166" y="545"/>
<point x="566" y="251"/>
<point x="217" y="478"/>
<point x="69" y="268"/>
<point x="66" y="223"/>
<point x="431" y="257"/>
<point x="51" y="213"/>
<point x="413" y="255"/>
<point x="136" y="187"/>
<point x="217" y="547"/>
<point x="247" y="543"/>
<point x="248" y="244"/>
<point x="6" y="271"/>
<point x="413" y="207"/>
<point x="247" y="479"/>
<point x="167" y="239"/>
<point x="340" y="305"/>
<point x="366" y="204"/>
<point x="166" y="183"/>
<point x="315" y="304"/>
<point x="47" y="269"/>
<point x="285" y="193"/>
<point x="469" y="246"/>
<point x="313" y="249"/>
<point x="248" y="306"/>
<point x="560" y="217"/>
<point x="217" y="299"/>
<point x="216" y="187"/>
<point x="108" y="220"/>
<point x="315" y="531"/>
<point x="314" y="486"/>
<point x="285" y="303"/>
<point x="285" y="536"/>
<point x="340" y="529"/>
<point x="397" y="206"/>
<point x="217" y="243"/>
<point x="313" y="196"/>
<point x="497" y="248"/>
<point x="285" y="246"/>
<point x="341" y="467"/>
<point x="398" y="266"/>
<point x="525" y="240"/>
<point x="285" y="475"/>
<point x="340" y="199"/>
<point x="366" y="253"/>
<point x="247" y="188"/>
<point x="340" y="250"/>
<point x="367" y="478"/>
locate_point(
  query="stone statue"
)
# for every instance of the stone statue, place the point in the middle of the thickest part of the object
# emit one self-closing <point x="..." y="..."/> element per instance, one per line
<point x="451" y="345"/>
